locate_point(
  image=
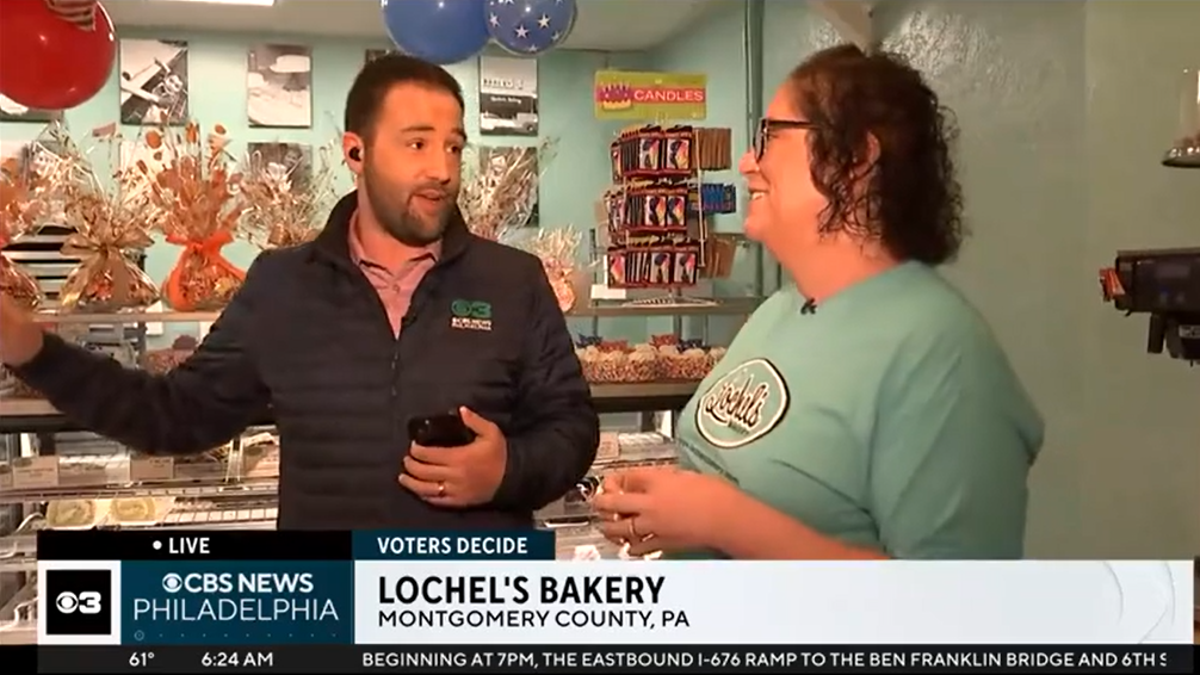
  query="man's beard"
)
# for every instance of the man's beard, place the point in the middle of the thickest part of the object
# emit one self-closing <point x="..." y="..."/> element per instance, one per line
<point x="398" y="220"/>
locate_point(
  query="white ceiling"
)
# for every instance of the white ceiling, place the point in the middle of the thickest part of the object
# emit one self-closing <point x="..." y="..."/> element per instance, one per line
<point x="608" y="25"/>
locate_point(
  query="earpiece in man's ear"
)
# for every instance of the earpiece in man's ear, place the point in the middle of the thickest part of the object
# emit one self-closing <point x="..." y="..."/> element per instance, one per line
<point x="356" y="154"/>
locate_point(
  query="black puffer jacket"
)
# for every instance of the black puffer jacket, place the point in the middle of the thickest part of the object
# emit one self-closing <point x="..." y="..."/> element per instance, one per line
<point x="308" y="338"/>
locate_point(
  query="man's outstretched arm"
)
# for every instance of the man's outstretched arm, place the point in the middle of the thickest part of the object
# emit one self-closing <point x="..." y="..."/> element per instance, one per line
<point x="201" y="404"/>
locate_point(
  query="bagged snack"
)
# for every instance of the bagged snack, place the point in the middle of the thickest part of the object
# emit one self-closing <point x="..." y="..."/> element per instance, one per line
<point x="286" y="198"/>
<point x="109" y="220"/>
<point x="195" y="200"/>
<point x="23" y="194"/>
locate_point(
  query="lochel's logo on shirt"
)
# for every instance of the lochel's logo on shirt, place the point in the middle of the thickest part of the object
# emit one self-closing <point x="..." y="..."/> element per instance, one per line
<point x="743" y="405"/>
<point x="471" y="315"/>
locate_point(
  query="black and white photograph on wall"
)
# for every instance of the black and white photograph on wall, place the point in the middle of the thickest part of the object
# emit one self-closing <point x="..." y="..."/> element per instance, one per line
<point x="372" y="54"/>
<point x="154" y="81"/>
<point x="508" y="96"/>
<point x="11" y="111"/>
<point x="21" y="159"/>
<point x="288" y="163"/>
<point x="279" y="86"/>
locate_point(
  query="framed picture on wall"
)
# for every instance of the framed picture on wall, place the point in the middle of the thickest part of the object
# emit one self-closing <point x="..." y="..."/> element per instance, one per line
<point x="508" y="96"/>
<point x="154" y="81"/>
<point x="291" y="162"/>
<point x="279" y="86"/>
<point x="11" y="111"/>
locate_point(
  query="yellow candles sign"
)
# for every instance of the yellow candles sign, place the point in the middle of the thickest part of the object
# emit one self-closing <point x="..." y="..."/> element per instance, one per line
<point x="625" y="95"/>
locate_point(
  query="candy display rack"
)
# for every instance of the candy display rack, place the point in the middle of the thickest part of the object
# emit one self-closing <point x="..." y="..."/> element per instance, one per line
<point x="657" y="255"/>
<point x="656" y="215"/>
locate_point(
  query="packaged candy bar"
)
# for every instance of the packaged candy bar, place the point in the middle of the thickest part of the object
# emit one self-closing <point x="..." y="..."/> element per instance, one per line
<point x="685" y="266"/>
<point x="677" y="152"/>
<point x="618" y="267"/>
<point x="662" y="268"/>
<point x="650" y="151"/>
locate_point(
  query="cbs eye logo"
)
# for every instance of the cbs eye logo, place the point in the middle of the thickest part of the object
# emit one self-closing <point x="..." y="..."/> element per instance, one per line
<point x="80" y="602"/>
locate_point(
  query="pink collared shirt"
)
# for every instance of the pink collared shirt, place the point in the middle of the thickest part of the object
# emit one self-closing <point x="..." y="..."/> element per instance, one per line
<point x="395" y="285"/>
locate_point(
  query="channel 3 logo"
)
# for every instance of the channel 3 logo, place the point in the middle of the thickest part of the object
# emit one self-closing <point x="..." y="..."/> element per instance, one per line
<point x="80" y="602"/>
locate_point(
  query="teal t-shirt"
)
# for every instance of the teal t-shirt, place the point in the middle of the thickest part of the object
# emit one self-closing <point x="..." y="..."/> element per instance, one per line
<point x="889" y="418"/>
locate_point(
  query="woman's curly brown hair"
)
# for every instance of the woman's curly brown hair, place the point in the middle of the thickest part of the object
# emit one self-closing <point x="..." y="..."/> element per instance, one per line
<point x="912" y="201"/>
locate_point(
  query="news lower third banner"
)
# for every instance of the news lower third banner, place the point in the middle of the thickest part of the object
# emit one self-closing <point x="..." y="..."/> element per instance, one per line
<point x="372" y="596"/>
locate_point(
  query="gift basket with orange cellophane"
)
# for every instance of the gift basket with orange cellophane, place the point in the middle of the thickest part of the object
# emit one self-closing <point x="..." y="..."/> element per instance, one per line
<point x="194" y="197"/>
<point x="110" y="230"/>
<point x="285" y="205"/>
<point x="25" y="191"/>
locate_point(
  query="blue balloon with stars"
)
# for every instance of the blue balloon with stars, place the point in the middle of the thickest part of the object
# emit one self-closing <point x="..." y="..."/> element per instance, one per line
<point x="530" y="27"/>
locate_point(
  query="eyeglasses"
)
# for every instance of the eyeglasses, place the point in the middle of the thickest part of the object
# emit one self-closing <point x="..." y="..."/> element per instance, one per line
<point x="768" y="126"/>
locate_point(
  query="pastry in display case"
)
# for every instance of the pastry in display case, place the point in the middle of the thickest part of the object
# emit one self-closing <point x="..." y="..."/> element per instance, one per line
<point x="76" y="514"/>
<point x="139" y="511"/>
<point x="259" y="456"/>
<point x="211" y="465"/>
<point x="665" y="358"/>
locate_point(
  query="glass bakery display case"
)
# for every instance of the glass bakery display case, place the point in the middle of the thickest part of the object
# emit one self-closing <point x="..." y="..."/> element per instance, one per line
<point x="55" y="475"/>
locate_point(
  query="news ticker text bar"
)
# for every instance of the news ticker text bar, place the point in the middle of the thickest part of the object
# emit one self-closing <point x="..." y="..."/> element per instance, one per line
<point x="610" y="659"/>
<point x="528" y="544"/>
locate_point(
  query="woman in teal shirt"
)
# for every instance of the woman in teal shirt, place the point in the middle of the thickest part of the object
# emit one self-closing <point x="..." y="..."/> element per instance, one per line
<point x="865" y="411"/>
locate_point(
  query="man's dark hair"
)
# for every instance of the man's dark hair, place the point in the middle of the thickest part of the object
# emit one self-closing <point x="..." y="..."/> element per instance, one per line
<point x="378" y="77"/>
<point x="912" y="202"/>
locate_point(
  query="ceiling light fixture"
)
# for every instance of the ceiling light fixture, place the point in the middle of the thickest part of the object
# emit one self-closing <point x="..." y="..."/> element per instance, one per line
<point x="248" y="3"/>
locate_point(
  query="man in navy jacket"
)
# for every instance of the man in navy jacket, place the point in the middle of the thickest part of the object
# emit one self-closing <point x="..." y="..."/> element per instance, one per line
<point x="395" y="311"/>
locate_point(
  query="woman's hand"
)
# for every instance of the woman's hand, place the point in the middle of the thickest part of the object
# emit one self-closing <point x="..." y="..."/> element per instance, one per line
<point x="663" y="509"/>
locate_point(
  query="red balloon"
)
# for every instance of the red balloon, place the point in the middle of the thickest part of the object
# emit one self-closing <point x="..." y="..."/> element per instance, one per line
<point x="49" y="63"/>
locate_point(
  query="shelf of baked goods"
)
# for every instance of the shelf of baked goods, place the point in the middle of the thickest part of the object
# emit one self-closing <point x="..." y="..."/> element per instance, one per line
<point x="18" y="551"/>
<point x="234" y="499"/>
<point x="661" y="374"/>
<point x="246" y="469"/>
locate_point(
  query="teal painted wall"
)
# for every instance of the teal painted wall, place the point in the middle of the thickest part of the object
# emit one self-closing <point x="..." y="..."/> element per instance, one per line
<point x="217" y="74"/>
<point x="1065" y="109"/>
